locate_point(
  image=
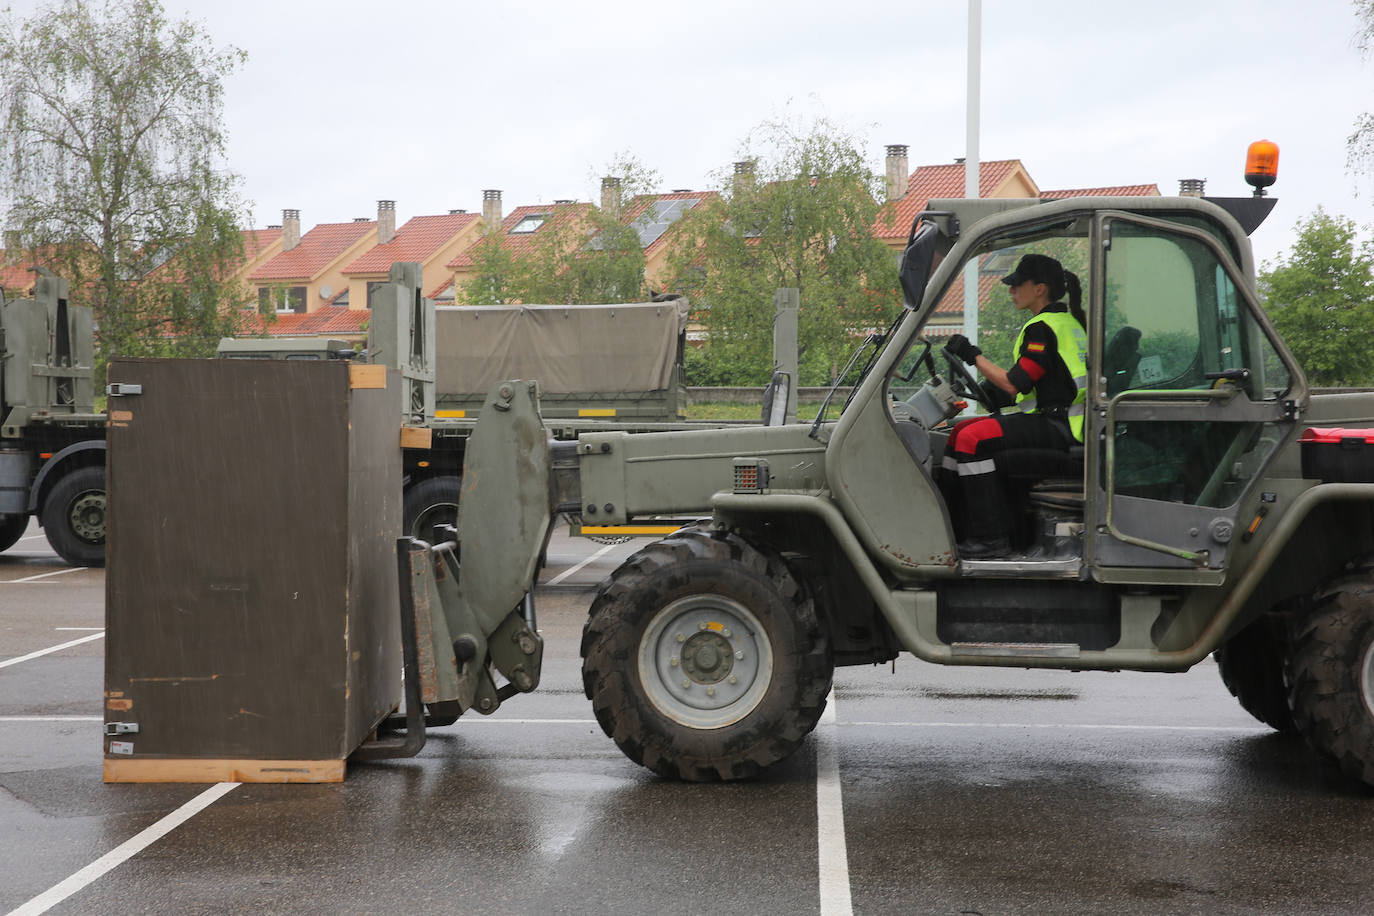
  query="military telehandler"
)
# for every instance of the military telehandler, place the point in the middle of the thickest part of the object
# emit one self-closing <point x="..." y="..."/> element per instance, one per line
<point x="1217" y="505"/>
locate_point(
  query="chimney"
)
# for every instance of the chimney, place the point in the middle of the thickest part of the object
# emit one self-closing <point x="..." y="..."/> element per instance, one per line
<point x="1191" y="187"/>
<point x="897" y="173"/>
<point x="290" y="229"/>
<point x="491" y="210"/>
<point x="386" y="221"/>
<point x="610" y="196"/>
<point x="744" y="175"/>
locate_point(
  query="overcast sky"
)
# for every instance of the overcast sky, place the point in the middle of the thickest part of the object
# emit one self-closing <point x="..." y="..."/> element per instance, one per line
<point x="428" y="102"/>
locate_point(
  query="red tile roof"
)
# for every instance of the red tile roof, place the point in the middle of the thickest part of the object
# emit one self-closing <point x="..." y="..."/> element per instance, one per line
<point x="317" y="323"/>
<point x="318" y="248"/>
<point x="1124" y="190"/>
<point x="256" y="241"/>
<point x="417" y="240"/>
<point x="17" y="279"/>
<point x="938" y="181"/>
<point x="558" y="214"/>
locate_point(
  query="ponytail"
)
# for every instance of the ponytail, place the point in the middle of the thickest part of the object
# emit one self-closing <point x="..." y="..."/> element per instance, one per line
<point x="1075" y="297"/>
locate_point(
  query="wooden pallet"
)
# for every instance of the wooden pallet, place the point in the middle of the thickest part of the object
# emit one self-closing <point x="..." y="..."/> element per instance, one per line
<point x="195" y="769"/>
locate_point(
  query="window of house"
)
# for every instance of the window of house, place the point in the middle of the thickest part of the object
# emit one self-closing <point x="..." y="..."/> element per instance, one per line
<point x="529" y="224"/>
<point x="281" y="299"/>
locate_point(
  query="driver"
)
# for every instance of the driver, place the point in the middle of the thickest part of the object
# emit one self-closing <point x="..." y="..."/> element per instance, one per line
<point x="1048" y="385"/>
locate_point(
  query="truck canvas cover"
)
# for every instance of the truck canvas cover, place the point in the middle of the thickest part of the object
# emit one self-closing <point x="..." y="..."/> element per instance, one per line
<point x="567" y="349"/>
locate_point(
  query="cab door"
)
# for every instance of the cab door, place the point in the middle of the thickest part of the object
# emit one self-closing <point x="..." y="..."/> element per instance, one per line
<point x="1193" y="397"/>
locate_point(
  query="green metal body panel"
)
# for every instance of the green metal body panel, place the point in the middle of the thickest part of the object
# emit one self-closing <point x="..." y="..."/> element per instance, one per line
<point x="627" y="476"/>
<point x="49" y="354"/>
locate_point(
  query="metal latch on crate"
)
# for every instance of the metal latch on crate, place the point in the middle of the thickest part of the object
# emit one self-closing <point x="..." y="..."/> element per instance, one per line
<point x="121" y="728"/>
<point x="123" y="389"/>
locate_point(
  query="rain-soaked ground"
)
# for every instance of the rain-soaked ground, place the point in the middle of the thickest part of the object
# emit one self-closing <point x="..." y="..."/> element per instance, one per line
<point x="924" y="790"/>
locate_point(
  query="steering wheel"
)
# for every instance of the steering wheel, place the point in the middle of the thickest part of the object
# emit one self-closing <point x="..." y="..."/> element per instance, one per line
<point x="965" y="385"/>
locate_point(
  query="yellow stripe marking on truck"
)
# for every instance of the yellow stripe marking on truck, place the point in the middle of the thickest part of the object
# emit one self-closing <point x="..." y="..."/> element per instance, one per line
<point x="451" y="414"/>
<point x="628" y="529"/>
<point x="596" y="412"/>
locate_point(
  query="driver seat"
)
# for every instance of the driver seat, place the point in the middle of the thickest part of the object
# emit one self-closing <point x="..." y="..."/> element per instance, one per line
<point x="1042" y="478"/>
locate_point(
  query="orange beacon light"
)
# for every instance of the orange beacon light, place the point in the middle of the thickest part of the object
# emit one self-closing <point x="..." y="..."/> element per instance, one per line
<point x="1261" y="165"/>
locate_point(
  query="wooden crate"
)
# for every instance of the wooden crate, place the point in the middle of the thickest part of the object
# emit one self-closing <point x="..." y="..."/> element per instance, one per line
<point x="251" y="592"/>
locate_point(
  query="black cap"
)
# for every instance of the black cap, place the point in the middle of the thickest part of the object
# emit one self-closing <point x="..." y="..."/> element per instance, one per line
<point x="1038" y="268"/>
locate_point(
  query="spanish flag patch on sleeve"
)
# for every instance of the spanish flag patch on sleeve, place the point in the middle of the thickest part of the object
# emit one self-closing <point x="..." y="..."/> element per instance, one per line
<point x="1035" y="348"/>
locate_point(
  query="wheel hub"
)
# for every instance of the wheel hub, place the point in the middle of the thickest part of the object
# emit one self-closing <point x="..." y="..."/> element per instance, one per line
<point x="705" y="661"/>
<point x="707" y="658"/>
<point x="88" y="517"/>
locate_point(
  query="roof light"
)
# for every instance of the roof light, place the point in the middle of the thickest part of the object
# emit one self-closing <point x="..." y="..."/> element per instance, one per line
<point x="1261" y="165"/>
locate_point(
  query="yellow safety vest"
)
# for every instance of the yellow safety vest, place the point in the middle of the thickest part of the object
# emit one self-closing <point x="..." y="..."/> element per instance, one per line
<point x="1072" y="342"/>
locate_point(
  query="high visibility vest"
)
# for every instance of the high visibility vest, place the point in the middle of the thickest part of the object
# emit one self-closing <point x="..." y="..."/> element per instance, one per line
<point x="1072" y="343"/>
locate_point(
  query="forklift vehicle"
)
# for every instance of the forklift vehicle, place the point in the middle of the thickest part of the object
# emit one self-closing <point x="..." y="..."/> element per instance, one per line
<point x="1216" y="505"/>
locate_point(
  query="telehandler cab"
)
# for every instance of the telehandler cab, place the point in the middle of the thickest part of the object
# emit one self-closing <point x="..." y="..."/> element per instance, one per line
<point x="1191" y="521"/>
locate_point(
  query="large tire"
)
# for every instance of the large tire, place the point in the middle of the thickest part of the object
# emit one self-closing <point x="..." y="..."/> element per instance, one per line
<point x="1331" y="675"/>
<point x="433" y="501"/>
<point x="704" y="658"/>
<point x="12" y="528"/>
<point x="73" y="517"/>
<point x="1251" y="665"/>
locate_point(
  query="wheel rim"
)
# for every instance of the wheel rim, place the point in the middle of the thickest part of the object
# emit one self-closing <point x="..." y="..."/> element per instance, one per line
<point x="436" y="514"/>
<point x="87" y="516"/>
<point x="1367" y="679"/>
<point x="705" y="661"/>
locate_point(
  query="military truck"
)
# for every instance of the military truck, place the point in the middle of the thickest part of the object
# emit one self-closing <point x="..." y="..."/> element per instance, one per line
<point x="52" y="440"/>
<point x="600" y="367"/>
<point x="1217" y="505"/>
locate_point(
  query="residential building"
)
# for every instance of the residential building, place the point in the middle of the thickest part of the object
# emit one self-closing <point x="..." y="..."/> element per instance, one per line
<point x="307" y="273"/>
<point x="430" y="241"/>
<point x="517" y="232"/>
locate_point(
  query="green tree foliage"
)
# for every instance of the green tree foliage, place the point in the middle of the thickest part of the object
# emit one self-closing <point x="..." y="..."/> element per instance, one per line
<point x="110" y="118"/>
<point x="804" y="219"/>
<point x="1360" y="144"/>
<point x="1319" y="297"/>
<point x="497" y="276"/>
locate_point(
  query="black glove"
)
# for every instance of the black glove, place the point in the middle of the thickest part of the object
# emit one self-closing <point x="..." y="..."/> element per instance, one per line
<point x="963" y="348"/>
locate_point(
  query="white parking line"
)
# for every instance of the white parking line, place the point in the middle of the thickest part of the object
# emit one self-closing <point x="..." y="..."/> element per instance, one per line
<point x="58" y="572"/>
<point x="52" y="718"/>
<point x="568" y="572"/>
<point x="41" y="652"/>
<point x="125" y="851"/>
<point x="833" y="867"/>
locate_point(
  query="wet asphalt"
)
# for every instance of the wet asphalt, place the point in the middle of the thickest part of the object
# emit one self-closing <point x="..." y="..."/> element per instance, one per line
<point x="962" y="790"/>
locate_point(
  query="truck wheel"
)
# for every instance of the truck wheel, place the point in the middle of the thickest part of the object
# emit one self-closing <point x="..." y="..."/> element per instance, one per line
<point x="1331" y="676"/>
<point x="1251" y="666"/>
<point x="433" y="501"/>
<point x="12" y="528"/>
<point x="73" y="517"/>
<point x="704" y="658"/>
